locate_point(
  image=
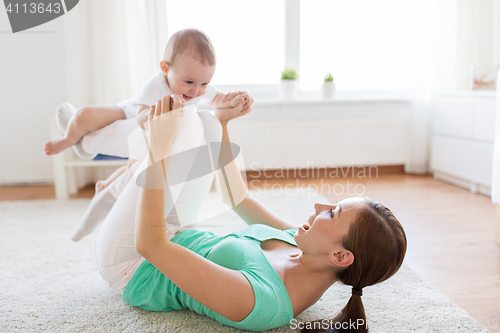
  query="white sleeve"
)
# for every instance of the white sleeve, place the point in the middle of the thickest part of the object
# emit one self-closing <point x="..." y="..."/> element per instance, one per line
<point x="149" y="93"/>
<point x="209" y="94"/>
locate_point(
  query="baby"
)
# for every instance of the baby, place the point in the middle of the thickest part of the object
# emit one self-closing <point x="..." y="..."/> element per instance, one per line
<point x="187" y="69"/>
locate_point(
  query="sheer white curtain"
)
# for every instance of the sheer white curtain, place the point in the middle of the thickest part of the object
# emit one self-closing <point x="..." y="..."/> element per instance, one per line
<point x="437" y="71"/>
<point x="112" y="48"/>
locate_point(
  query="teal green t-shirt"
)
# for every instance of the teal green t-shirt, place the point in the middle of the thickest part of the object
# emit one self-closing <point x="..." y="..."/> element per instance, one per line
<point x="149" y="289"/>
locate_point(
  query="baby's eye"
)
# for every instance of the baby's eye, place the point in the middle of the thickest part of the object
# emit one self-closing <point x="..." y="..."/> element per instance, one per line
<point x="189" y="82"/>
<point x="204" y="84"/>
<point x="331" y="213"/>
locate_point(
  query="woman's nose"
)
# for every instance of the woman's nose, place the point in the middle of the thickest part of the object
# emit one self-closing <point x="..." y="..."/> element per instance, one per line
<point x="319" y="207"/>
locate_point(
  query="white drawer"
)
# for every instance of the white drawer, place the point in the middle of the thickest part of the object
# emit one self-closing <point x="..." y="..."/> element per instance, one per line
<point x="455" y="117"/>
<point x="452" y="156"/>
<point x="484" y="120"/>
<point x="482" y="165"/>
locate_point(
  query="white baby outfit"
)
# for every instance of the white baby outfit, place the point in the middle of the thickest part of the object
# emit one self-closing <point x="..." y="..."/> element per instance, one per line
<point x="155" y="89"/>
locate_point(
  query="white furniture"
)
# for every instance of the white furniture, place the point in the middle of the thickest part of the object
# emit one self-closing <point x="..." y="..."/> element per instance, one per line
<point x="71" y="172"/>
<point x="462" y="139"/>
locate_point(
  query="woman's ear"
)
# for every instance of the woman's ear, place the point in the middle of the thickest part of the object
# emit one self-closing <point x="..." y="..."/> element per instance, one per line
<point x="342" y="258"/>
<point x="164" y="66"/>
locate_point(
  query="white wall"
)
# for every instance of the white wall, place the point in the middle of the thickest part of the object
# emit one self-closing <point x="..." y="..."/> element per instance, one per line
<point x="32" y="84"/>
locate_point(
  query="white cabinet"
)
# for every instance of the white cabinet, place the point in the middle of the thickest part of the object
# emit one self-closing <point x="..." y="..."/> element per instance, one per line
<point x="462" y="139"/>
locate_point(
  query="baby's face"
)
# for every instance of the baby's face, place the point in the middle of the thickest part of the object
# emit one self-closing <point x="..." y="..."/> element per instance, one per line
<point x="188" y="77"/>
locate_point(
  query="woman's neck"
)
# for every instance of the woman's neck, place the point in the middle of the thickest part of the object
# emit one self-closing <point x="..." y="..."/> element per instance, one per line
<point x="306" y="280"/>
<point x="312" y="273"/>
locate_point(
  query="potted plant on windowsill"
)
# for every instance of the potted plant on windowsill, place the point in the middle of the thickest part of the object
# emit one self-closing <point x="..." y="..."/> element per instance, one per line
<point x="288" y="83"/>
<point x="328" y="86"/>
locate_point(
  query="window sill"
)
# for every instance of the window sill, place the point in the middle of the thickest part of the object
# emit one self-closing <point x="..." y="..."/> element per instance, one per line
<point x="309" y="101"/>
<point x="470" y="93"/>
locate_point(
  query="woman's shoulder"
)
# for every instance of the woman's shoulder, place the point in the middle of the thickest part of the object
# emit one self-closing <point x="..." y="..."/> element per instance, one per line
<point x="264" y="232"/>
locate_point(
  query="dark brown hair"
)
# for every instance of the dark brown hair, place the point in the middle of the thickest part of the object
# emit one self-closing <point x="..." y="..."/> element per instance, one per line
<point x="378" y="242"/>
<point x="190" y="41"/>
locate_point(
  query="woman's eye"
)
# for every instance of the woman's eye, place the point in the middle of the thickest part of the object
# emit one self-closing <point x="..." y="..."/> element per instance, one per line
<point x="331" y="213"/>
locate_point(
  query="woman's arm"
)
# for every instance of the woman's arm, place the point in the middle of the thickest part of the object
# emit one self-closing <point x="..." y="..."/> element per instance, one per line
<point x="222" y="290"/>
<point x="231" y="184"/>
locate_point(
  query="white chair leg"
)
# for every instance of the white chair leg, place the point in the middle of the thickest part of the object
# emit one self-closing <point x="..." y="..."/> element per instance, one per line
<point x="60" y="180"/>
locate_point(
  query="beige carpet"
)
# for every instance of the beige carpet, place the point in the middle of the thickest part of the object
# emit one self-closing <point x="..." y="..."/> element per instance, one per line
<point x="50" y="284"/>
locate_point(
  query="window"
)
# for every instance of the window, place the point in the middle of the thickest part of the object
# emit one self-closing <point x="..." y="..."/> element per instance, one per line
<point x="247" y="35"/>
<point x="365" y="44"/>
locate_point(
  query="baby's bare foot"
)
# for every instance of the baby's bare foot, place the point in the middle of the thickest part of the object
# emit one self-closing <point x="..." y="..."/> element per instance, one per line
<point x="56" y="146"/>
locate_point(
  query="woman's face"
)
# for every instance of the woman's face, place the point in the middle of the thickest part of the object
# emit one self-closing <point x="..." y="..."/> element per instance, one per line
<point x="327" y="226"/>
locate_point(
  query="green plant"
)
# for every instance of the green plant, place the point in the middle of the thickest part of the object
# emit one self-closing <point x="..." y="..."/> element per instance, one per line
<point x="289" y="74"/>
<point x="329" y="78"/>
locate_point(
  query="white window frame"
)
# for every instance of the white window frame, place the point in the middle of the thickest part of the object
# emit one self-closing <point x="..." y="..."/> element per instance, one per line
<point x="292" y="55"/>
<point x="292" y="59"/>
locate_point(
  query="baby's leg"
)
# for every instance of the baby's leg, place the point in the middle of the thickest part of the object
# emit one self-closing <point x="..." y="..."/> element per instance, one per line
<point x="112" y="139"/>
<point x="85" y="120"/>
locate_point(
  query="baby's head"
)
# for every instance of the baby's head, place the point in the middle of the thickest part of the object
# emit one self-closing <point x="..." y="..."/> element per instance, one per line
<point x="189" y="63"/>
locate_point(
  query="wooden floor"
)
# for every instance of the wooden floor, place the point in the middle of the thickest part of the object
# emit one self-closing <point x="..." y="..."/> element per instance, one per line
<point x="450" y="230"/>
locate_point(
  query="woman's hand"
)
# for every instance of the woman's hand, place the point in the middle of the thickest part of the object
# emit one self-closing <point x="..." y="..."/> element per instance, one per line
<point x="163" y="123"/>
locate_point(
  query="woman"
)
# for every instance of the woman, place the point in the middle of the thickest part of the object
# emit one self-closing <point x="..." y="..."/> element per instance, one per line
<point x="256" y="279"/>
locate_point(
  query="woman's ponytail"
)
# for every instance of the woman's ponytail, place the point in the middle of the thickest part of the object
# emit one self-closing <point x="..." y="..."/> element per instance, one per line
<point x="352" y="318"/>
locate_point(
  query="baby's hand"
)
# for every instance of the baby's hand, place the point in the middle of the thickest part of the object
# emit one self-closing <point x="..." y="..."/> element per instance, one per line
<point x="232" y="99"/>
